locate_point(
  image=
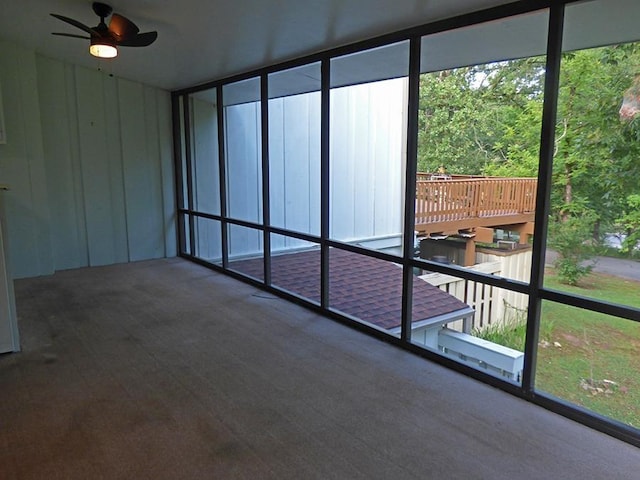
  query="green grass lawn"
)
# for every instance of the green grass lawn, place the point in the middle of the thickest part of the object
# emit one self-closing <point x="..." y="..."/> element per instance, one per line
<point x="592" y="359"/>
<point x="584" y="357"/>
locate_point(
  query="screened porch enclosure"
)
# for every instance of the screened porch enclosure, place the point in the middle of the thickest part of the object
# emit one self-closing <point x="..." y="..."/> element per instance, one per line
<point x="293" y="176"/>
<point x="367" y="173"/>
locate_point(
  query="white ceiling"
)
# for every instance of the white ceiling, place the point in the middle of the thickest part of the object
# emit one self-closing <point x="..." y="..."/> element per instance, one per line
<point x="203" y="40"/>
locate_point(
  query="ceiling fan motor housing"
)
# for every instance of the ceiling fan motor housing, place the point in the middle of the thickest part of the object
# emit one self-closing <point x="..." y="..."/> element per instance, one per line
<point x="102" y="9"/>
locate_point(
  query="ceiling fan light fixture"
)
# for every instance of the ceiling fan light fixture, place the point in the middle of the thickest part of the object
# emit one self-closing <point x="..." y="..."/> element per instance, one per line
<point x="105" y="39"/>
<point x="102" y="49"/>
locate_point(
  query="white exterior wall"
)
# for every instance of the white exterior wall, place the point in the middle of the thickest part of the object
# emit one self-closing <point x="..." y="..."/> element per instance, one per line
<point x="206" y="177"/>
<point x="294" y="166"/>
<point x="205" y="154"/>
<point x="367" y="145"/>
<point x="367" y="160"/>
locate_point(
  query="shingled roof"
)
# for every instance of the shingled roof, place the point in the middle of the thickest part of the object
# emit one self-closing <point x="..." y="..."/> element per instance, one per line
<point x="364" y="287"/>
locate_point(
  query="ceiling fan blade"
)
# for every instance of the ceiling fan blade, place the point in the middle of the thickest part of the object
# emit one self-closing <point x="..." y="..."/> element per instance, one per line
<point x="75" y="23"/>
<point x="122" y="28"/>
<point x="140" y="40"/>
<point x="71" y="35"/>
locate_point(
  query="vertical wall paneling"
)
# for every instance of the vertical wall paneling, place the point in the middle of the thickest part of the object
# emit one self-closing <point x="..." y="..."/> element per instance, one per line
<point x="35" y="153"/>
<point x="88" y="159"/>
<point x="75" y="171"/>
<point x="362" y="144"/>
<point x="142" y="174"/>
<point x="294" y="159"/>
<point x="367" y="165"/>
<point x="109" y="171"/>
<point x="206" y="174"/>
<point x="62" y="166"/>
<point x="9" y="337"/>
<point x="277" y="161"/>
<point x="115" y="152"/>
<point x="244" y="181"/>
<point x="22" y="165"/>
<point x="96" y="172"/>
<point x="341" y="193"/>
<point x="303" y="200"/>
<point x="153" y="166"/>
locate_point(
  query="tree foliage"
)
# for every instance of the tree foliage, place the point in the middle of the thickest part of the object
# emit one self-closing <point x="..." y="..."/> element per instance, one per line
<point x="486" y="119"/>
<point x="570" y="240"/>
<point x="630" y="224"/>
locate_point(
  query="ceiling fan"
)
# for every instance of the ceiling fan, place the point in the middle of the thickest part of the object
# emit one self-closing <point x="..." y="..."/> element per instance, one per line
<point x="121" y="32"/>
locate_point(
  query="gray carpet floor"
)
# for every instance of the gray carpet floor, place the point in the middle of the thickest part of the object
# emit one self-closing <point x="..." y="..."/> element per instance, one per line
<point x="167" y="370"/>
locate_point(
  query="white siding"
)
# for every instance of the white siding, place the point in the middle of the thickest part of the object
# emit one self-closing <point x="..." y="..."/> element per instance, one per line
<point x="206" y="172"/>
<point x="367" y="164"/>
<point x="294" y="165"/>
<point x="367" y="160"/>
<point x="243" y="150"/>
<point x="206" y="177"/>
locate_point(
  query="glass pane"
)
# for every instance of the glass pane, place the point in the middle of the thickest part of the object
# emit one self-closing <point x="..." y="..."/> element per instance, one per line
<point x="294" y="149"/>
<point x="368" y="147"/>
<point x="204" y="152"/>
<point x="594" y="223"/>
<point x="246" y="251"/>
<point x="183" y="189"/>
<point x="295" y="266"/>
<point x="479" y="124"/>
<point x="471" y="322"/>
<point x="208" y="235"/>
<point x="367" y="289"/>
<point x="185" y="234"/>
<point x="590" y="359"/>
<point x="243" y="149"/>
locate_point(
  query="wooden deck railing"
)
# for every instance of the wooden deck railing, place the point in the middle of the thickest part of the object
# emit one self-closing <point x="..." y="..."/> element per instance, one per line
<point x="458" y="200"/>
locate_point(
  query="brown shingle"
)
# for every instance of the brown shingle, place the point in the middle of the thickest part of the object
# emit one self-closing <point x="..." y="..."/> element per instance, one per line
<point x="364" y="287"/>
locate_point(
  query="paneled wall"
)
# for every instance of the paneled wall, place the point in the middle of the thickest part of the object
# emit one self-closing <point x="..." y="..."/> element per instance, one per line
<point x="22" y="165"/>
<point x="88" y="159"/>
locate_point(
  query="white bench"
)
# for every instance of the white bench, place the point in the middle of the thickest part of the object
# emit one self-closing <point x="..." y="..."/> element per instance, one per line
<point x="481" y="353"/>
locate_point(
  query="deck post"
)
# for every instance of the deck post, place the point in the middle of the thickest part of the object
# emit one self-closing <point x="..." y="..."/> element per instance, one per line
<point x="470" y="253"/>
<point x="525" y="230"/>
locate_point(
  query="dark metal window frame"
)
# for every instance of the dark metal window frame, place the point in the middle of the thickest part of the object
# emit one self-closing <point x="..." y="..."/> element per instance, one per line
<point x="534" y="289"/>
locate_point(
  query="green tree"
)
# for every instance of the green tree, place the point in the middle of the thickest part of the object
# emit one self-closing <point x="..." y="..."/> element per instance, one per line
<point x="482" y="118"/>
<point x="569" y="238"/>
<point x="630" y="224"/>
<point x="452" y="129"/>
<point x="595" y="154"/>
<point x="486" y="119"/>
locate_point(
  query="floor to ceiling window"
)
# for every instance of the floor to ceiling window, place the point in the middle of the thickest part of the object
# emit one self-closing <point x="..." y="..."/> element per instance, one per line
<point x="294" y="105"/>
<point x="367" y="159"/>
<point x="204" y="175"/>
<point x="466" y="190"/>
<point x="479" y="124"/>
<point x="294" y="151"/>
<point x="591" y="356"/>
<point x="243" y="167"/>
